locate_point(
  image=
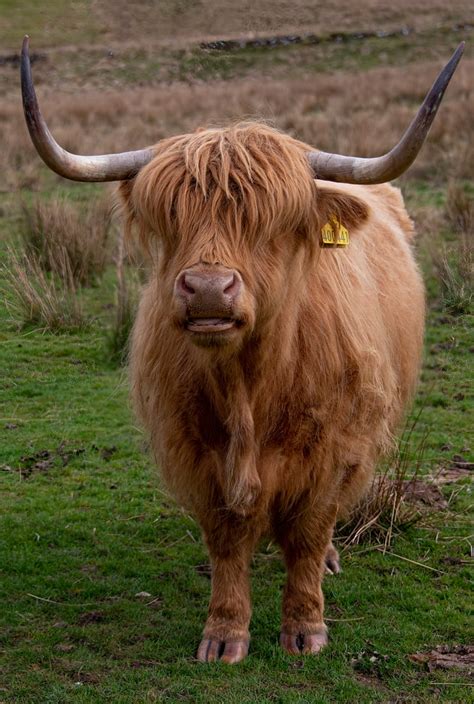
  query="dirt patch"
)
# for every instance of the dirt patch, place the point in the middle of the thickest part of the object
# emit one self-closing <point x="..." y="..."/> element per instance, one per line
<point x="459" y="468"/>
<point x="36" y="463"/>
<point x="66" y="454"/>
<point x="444" y="657"/>
<point x="461" y="463"/>
<point x="368" y="665"/>
<point x="369" y="680"/>
<point x="420" y="492"/>
<point x="453" y="474"/>
<point x="107" y="452"/>
<point x="455" y="561"/>
<point x="91" y="617"/>
<point x="87" y="678"/>
<point x="64" y="647"/>
<point x="42" y="460"/>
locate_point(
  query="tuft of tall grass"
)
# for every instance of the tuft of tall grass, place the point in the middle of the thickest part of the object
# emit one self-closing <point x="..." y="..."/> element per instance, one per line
<point x="68" y="243"/>
<point x="455" y="262"/>
<point x="456" y="272"/>
<point x="386" y="510"/>
<point x="459" y="209"/>
<point x="47" y="301"/>
<point x="127" y="290"/>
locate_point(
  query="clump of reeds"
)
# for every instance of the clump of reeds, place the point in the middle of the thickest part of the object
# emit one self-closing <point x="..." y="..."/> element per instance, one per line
<point x="386" y="510"/>
<point x="453" y="259"/>
<point x="126" y="302"/>
<point x="55" y="232"/>
<point x="459" y="209"/>
<point x="456" y="272"/>
<point x="50" y="302"/>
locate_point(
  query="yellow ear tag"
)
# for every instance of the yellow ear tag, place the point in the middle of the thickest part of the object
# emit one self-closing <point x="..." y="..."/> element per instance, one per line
<point x="333" y="233"/>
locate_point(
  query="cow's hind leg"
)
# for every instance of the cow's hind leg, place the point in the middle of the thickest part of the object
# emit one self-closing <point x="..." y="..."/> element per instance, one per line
<point x="230" y="540"/>
<point x="332" y="560"/>
<point x="305" y="536"/>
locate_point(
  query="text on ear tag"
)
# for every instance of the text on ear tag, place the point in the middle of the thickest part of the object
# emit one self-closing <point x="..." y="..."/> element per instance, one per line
<point x="333" y="233"/>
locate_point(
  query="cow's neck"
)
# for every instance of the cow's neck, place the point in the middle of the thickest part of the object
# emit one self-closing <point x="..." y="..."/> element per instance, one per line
<point x="246" y="390"/>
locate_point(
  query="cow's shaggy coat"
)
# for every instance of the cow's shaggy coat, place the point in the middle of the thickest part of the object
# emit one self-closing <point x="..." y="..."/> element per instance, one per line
<point x="277" y="431"/>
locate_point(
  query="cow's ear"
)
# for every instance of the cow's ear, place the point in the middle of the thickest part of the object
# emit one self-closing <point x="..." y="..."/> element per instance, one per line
<point x="124" y="204"/>
<point x="125" y="194"/>
<point x="349" y="210"/>
<point x="136" y="231"/>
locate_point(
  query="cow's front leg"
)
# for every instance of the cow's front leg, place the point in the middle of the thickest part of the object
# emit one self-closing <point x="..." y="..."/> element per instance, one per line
<point x="304" y="536"/>
<point x="230" y="539"/>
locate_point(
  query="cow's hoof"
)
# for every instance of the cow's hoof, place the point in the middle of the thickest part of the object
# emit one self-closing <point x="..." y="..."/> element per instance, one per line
<point x="304" y="643"/>
<point x="229" y="651"/>
<point x="333" y="565"/>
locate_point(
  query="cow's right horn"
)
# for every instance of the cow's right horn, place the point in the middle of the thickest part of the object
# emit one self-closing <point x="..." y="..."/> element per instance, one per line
<point x="106" y="167"/>
<point x="352" y="169"/>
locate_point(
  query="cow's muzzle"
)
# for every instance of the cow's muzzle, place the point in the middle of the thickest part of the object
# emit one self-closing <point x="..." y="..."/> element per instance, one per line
<point x="209" y="299"/>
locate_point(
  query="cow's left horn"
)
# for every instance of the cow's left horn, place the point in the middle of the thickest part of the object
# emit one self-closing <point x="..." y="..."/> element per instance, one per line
<point x="350" y="169"/>
<point x="106" y="167"/>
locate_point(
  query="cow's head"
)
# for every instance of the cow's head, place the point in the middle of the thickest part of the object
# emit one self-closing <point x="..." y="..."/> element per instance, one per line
<point x="230" y="216"/>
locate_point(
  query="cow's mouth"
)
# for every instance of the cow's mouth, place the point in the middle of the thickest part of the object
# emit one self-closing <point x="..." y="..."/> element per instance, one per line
<point x="211" y="325"/>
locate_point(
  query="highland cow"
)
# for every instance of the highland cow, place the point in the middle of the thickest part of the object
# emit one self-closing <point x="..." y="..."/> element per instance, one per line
<point x="270" y="366"/>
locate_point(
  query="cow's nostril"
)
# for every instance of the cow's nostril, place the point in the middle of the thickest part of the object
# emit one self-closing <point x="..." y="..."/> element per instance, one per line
<point x="233" y="286"/>
<point x="229" y="285"/>
<point x="186" y="284"/>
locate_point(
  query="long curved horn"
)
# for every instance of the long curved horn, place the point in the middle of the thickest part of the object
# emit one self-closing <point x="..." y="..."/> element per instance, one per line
<point x="106" y="167"/>
<point x="350" y="169"/>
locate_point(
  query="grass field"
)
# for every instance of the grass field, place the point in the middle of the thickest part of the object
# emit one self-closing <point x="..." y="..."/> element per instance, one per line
<point x="103" y="579"/>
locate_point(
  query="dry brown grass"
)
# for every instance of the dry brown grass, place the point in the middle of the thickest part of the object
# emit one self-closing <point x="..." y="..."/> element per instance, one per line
<point x="67" y="242"/>
<point x="360" y="113"/>
<point x="124" y="21"/>
<point x="386" y="509"/>
<point x="446" y="249"/>
<point x="50" y="303"/>
<point x="456" y="273"/>
<point x="115" y="22"/>
<point x="460" y="209"/>
<point x="454" y="260"/>
<point x="126" y="301"/>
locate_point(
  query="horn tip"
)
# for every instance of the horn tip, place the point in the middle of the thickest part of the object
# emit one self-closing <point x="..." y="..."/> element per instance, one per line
<point x="459" y="51"/>
<point x="26" y="43"/>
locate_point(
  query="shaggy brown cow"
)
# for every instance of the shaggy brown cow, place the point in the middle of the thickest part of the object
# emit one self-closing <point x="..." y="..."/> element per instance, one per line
<point x="270" y="372"/>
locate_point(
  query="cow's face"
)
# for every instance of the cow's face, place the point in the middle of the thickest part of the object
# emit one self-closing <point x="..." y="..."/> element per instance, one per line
<point x="223" y="299"/>
<point x="230" y="219"/>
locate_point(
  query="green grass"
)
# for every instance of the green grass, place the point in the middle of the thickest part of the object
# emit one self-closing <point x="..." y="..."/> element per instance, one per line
<point x="86" y="527"/>
<point x="145" y="65"/>
<point x="51" y="22"/>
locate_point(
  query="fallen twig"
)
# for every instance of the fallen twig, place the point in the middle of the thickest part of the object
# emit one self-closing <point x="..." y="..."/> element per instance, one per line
<point x="413" y="562"/>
